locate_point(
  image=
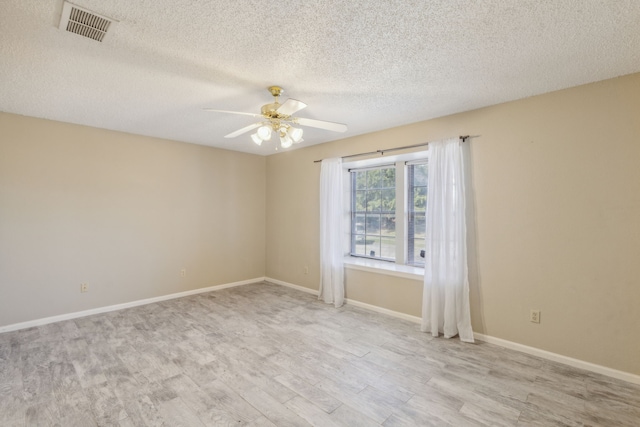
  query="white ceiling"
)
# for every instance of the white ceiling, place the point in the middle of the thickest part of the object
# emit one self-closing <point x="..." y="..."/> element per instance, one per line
<point x="369" y="64"/>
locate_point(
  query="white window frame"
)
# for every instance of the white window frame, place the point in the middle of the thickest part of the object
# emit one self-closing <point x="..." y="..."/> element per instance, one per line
<point x="398" y="267"/>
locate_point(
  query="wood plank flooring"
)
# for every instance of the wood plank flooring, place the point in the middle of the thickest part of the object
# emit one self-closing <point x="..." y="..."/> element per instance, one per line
<point x="265" y="355"/>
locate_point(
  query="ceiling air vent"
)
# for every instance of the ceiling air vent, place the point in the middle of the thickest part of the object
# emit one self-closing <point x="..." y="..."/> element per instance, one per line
<point x="83" y="22"/>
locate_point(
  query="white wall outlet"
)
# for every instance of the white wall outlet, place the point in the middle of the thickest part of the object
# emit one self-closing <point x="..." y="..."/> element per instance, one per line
<point x="306" y="270"/>
<point x="183" y="272"/>
<point x="84" y="287"/>
<point x="534" y="316"/>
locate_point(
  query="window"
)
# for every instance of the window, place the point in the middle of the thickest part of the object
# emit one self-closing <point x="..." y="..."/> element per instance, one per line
<point x="388" y="206"/>
<point x="416" y="211"/>
<point x="373" y="213"/>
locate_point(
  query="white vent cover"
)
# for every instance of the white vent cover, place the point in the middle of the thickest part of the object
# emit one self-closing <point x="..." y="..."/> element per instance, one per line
<point x="78" y="20"/>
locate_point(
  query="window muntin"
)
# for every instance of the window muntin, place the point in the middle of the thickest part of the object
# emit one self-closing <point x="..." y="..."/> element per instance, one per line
<point x="373" y="213"/>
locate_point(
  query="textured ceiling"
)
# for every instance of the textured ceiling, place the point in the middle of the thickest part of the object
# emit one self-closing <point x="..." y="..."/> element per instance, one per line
<point x="369" y="64"/>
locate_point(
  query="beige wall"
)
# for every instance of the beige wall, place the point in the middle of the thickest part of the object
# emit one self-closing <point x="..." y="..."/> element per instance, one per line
<point x="557" y="191"/>
<point x="123" y="213"/>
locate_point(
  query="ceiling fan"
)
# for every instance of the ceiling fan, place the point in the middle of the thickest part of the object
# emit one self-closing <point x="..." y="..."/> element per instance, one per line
<point x="276" y="117"/>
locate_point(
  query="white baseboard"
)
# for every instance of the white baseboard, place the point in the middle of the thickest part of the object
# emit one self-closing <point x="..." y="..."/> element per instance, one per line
<point x="291" y="285"/>
<point x="576" y="363"/>
<point x="566" y="360"/>
<point x="403" y="316"/>
<point x="348" y="301"/>
<point x="77" y="314"/>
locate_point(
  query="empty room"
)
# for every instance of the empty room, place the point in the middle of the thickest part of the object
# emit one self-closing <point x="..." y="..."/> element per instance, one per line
<point x="330" y="213"/>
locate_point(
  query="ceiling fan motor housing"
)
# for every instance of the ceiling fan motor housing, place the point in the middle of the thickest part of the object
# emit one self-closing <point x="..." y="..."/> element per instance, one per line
<point x="269" y="110"/>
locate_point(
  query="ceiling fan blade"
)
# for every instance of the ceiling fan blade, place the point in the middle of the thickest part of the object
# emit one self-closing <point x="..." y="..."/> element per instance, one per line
<point x="336" y="127"/>
<point x="243" y="130"/>
<point x="290" y="107"/>
<point x="232" y="112"/>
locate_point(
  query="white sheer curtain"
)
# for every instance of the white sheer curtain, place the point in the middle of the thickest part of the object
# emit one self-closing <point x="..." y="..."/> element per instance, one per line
<point x="331" y="212"/>
<point x="445" y="303"/>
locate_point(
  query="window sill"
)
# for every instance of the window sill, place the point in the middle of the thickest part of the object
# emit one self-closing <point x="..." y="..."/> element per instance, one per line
<point x="384" y="267"/>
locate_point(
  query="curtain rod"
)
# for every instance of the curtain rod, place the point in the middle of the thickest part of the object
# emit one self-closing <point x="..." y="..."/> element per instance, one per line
<point x="381" y="152"/>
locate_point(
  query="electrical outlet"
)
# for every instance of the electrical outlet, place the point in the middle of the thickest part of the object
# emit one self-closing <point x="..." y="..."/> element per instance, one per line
<point x="534" y="316"/>
<point x="183" y="272"/>
<point x="84" y="287"/>
<point x="306" y="270"/>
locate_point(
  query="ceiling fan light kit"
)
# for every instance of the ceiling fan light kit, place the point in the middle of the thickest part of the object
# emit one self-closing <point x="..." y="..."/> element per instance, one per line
<point x="278" y="118"/>
<point x="288" y="134"/>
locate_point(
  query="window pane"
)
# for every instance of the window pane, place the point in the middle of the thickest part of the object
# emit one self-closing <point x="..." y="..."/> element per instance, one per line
<point x="389" y="178"/>
<point x="420" y="174"/>
<point x="388" y="202"/>
<point x="358" y="247"/>
<point x="388" y="225"/>
<point x="374" y="178"/>
<point x="372" y="246"/>
<point x="373" y="224"/>
<point x="361" y="179"/>
<point x="418" y="245"/>
<point x="360" y="201"/>
<point x="357" y="224"/>
<point x="419" y="225"/>
<point x="373" y="201"/>
<point x="419" y="199"/>
<point x="388" y="247"/>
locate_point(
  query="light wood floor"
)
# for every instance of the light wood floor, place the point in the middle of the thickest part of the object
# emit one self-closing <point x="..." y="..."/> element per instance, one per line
<point x="264" y="355"/>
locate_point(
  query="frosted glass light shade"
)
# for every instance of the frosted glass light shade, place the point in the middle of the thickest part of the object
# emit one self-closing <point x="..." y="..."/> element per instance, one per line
<point x="264" y="132"/>
<point x="256" y="138"/>
<point x="295" y="134"/>
<point x="285" y="141"/>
